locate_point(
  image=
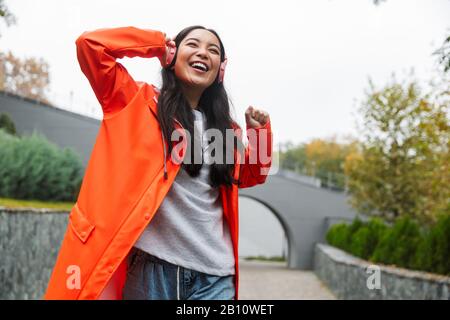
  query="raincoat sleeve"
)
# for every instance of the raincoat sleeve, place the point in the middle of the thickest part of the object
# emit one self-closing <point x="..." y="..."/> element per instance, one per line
<point x="97" y="52"/>
<point x="257" y="157"/>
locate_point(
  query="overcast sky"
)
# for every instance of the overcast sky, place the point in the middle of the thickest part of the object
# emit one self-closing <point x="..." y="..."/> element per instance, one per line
<point x="305" y="62"/>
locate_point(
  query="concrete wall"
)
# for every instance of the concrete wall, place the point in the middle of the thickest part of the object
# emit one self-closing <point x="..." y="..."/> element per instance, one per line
<point x="29" y="243"/>
<point x="347" y="276"/>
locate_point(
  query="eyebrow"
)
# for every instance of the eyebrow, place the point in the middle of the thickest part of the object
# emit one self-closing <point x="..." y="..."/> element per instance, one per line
<point x="211" y="44"/>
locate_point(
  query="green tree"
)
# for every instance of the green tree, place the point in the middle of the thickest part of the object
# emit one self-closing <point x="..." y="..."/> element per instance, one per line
<point x="293" y="157"/>
<point x="325" y="160"/>
<point x="322" y="158"/>
<point x="402" y="168"/>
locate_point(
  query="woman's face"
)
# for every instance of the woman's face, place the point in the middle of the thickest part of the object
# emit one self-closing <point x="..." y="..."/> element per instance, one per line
<point x="199" y="46"/>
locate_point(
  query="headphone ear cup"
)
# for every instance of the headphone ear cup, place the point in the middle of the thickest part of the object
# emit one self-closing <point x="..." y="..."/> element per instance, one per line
<point x="170" y="55"/>
<point x="222" y="70"/>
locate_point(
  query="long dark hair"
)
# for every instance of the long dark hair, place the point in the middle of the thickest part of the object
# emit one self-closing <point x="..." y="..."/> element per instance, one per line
<point x="214" y="105"/>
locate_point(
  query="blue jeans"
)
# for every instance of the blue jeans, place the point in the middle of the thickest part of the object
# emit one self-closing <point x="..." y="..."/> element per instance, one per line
<point x="151" y="278"/>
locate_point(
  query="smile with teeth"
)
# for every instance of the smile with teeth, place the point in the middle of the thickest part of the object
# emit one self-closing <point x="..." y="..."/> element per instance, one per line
<point x="199" y="66"/>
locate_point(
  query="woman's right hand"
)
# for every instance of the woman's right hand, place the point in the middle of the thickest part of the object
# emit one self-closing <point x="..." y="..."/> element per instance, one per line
<point x="169" y="43"/>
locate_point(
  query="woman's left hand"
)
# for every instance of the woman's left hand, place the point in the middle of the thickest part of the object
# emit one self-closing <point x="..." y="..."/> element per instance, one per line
<point x="255" y="117"/>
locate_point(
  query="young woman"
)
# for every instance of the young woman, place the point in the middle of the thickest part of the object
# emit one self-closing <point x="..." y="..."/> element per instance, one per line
<point x="152" y="221"/>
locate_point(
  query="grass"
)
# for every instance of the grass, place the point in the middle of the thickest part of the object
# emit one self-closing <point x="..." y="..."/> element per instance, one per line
<point x="263" y="258"/>
<point x="39" y="204"/>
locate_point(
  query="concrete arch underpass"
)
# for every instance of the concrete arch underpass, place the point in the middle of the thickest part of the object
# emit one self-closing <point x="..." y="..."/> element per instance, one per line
<point x="304" y="211"/>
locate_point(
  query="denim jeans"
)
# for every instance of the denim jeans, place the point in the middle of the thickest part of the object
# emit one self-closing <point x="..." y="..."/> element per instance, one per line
<point x="151" y="278"/>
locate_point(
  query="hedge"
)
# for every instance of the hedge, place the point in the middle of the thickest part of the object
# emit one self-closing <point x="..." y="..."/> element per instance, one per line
<point x="33" y="168"/>
<point x="404" y="244"/>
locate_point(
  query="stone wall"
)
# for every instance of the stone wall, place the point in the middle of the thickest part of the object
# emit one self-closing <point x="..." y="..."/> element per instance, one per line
<point x="29" y="244"/>
<point x="352" y="278"/>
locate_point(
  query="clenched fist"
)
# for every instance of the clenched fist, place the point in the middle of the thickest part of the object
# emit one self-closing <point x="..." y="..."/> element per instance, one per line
<point x="255" y="117"/>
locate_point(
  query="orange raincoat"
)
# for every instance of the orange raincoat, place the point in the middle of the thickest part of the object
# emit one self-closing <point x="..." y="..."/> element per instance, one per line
<point x="129" y="173"/>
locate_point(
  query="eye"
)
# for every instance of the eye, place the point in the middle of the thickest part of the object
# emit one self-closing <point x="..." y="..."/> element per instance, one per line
<point x="195" y="45"/>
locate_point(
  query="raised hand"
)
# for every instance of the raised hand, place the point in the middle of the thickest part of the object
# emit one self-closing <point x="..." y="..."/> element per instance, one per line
<point x="255" y="117"/>
<point x="169" y="43"/>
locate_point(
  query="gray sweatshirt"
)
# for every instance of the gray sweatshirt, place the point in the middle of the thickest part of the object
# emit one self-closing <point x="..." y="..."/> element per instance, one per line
<point x="189" y="229"/>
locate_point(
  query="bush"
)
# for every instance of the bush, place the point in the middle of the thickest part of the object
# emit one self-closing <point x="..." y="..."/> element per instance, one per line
<point x="358" y="245"/>
<point x="337" y="235"/>
<point x="404" y="244"/>
<point x="340" y="235"/>
<point x="7" y="124"/>
<point x="366" y="239"/>
<point x="33" y="168"/>
<point x="356" y="225"/>
<point x="399" y="244"/>
<point x="433" y="253"/>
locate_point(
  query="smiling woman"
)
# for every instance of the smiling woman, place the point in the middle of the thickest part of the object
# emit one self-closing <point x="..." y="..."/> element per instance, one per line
<point x="145" y="226"/>
<point x="194" y="72"/>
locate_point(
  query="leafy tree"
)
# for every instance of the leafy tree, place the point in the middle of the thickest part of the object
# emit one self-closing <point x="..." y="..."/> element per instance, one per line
<point x="402" y="168"/>
<point x="293" y="157"/>
<point x="325" y="160"/>
<point x="320" y="158"/>
<point x="27" y="77"/>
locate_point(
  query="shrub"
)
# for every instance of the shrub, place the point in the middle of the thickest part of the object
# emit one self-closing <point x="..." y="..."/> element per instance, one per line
<point x="433" y="253"/>
<point x="404" y="244"/>
<point x="399" y="244"/>
<point x="340" y="235"/>
<point x="358" y="244"/>
<point x="7" y="124"/>
<point x="354" y="227"/>
<point x="366" y="239"/>
<point x="337" y="235"/>
<point x="33" y="168"/>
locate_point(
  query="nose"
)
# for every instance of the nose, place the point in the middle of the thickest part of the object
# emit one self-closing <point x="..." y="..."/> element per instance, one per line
<point x="202" y="52"/>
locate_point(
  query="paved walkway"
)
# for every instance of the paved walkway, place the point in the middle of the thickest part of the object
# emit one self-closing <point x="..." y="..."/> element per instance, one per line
<point x="274" y="281"/>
